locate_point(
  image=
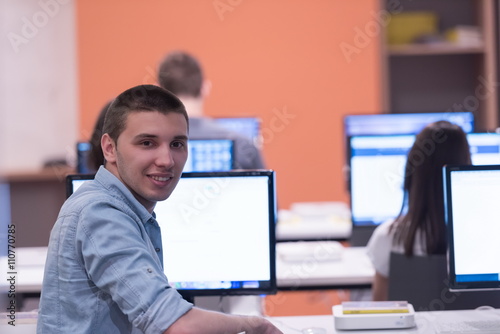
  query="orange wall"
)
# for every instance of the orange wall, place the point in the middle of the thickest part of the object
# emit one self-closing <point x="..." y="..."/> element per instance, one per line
<point x="264" y="57"/>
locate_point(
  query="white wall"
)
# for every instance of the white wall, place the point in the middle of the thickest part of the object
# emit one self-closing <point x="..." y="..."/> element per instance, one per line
<point x="38" y="82"/>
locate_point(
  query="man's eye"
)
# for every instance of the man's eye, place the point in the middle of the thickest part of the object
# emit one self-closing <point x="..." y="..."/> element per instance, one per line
<point x="147" y="143"/>
<point x="177" y="144"/>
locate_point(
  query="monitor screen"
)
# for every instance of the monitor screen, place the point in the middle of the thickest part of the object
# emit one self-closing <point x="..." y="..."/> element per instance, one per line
<point x="82" y="158"/>
<point x="246" y="126"/>
<point x="210" y="155"/>
<point x="218" y="232"/>
<point x="472" y="216"/>
<point x="377" y="169"/>
<point x="5" y="219"/>
<point x="407" y="123"/>
<point x="73" y="182"/>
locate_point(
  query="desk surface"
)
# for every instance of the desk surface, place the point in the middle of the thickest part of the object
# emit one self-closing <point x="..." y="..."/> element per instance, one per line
<point x="351" y="269"/>
<point x="426" y="322"/>
<point x="299" y="324"/>
<point x="326" y="229"/>
<point x="313" y="221"/>
<point x="54" y="173"/>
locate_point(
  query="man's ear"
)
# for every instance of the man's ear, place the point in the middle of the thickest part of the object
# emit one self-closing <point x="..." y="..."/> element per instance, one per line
<point x="108" y="146"/>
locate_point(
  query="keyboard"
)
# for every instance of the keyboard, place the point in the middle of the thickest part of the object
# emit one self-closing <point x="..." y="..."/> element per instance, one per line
<point x="302" y="251"/>
<point x="468" y="327"/>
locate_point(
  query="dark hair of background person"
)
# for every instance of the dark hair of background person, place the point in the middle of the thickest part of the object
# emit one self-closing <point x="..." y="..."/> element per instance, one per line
<point x="438" y="144"/>
<point x="181" y="74"/>
<point x="95" y="156"/>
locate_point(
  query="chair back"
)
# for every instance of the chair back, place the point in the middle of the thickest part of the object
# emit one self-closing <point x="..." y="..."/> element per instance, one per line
<point x="422" y="281"/>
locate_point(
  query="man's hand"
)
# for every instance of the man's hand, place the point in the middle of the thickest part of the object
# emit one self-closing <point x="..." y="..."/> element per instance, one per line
<point x="258" y="325"/>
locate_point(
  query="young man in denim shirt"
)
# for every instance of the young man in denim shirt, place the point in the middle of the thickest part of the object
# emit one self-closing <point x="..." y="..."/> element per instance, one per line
<point x="104" y="270"/>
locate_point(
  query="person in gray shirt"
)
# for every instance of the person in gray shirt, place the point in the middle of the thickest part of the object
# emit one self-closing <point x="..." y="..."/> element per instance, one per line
<point x="182" y="74"/>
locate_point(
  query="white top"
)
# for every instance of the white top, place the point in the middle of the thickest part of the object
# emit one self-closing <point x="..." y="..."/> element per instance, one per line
<point x="380" y="246"/>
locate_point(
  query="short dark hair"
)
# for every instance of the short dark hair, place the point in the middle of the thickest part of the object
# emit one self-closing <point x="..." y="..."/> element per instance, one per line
<point x="181" y="73"/>
<point x="438" y="144"/>
<point x="142" y="98"/>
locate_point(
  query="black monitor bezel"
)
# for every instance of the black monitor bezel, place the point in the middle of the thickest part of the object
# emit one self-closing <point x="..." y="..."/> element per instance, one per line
<point x="453" y="284"/>
<point x="76" y="177"/>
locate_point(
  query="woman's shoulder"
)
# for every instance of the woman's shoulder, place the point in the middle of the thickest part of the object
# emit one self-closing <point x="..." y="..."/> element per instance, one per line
<point x="385" y="228"/>
<point x="381" y="236"/>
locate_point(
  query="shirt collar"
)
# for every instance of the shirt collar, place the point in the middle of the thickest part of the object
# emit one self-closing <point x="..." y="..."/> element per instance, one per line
<point x="112" y="184"/>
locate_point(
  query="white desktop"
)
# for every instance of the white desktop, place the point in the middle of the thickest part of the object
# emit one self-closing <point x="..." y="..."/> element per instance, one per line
<point x="314" y="221"/>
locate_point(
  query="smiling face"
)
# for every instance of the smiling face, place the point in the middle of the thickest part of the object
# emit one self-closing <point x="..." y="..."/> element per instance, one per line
<point x="149" y="154"/>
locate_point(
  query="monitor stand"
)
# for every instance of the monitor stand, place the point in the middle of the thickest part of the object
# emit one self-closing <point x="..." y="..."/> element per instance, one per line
<point x="360" y="235"/>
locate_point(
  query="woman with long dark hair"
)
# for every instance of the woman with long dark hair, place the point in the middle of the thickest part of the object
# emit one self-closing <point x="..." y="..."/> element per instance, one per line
<point x="420" y="227"/>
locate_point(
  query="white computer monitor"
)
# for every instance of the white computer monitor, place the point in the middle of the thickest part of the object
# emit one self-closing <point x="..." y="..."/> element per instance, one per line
<point x="472" y="215"/>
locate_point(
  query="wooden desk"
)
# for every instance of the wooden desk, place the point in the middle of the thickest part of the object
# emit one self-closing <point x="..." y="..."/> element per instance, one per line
<point x="35" y="200"/>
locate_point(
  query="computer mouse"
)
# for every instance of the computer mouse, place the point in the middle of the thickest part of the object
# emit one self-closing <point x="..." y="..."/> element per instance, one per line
<point x="313" y="330"/>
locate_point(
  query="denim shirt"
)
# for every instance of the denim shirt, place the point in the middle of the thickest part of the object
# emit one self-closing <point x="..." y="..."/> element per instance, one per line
<point x="104" y="272"/>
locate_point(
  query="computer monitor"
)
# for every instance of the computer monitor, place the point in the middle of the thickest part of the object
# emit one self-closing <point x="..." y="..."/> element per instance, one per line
<point x="210" y="155"/>
<point x="246" y="126"/>
<point x="82" y="158"/>
<point x="75" y="181"/>
<point x="218" y="232"/>
<point x="377" y="166"/>
<point x="205" y="155"/>
<point x="472" y="215"/>
<point x="402" y="124"/>
<point x="397" y="124"/>
<point x="5" y="219"/>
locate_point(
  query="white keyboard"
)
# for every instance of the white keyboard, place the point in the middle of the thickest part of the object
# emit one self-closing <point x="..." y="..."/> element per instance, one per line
<point x="468" y="327"/>
<point x="301" y="251"/>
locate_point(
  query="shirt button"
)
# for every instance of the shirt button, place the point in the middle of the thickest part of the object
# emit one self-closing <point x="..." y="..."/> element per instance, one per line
<point x="157" y="249"/>
<point x="150" y="270"/>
